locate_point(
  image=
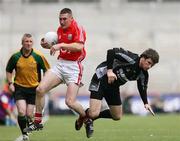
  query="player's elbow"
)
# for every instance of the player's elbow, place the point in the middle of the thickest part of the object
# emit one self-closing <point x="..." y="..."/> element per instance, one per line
<point x="79" y="46"/>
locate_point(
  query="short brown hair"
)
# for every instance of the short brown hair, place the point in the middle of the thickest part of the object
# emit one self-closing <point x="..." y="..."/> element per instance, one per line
<point x="152" y="54"/>
<point x="66" y="10"/>
<point x="26" y="35"/>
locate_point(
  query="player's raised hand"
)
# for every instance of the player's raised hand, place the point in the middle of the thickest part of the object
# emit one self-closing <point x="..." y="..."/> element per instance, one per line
<point x="54" y="48"/>
<point x="148" y="107"/>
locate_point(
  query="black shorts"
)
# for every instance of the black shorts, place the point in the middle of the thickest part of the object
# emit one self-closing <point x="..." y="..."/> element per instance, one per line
<point x="28" y="94"/>
<point x="100" y="89"/>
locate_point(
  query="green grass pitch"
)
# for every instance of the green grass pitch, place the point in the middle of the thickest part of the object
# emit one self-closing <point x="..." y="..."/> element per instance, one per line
<point x="130" y="128"/>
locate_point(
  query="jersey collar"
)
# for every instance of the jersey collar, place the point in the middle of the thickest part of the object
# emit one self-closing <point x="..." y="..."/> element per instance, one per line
<point x="24" y="54"/>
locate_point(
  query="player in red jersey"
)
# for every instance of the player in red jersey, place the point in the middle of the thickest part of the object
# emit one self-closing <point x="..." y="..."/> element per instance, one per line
<point x="68" y="70"/>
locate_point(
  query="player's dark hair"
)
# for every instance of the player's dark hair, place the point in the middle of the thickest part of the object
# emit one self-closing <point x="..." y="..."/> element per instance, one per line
<point x="66" y="10"/>
<point x="152" y="54"/>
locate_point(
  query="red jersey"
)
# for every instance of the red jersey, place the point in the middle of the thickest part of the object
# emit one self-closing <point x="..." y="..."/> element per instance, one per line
<point x="74" y="33"/>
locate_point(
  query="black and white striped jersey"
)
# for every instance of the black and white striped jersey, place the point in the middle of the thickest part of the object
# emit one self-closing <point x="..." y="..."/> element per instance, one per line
<point x="125" y="65"/>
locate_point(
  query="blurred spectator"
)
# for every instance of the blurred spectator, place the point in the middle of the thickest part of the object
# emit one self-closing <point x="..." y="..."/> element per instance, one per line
<point x="7" y="107"/>
<point x="157" y="104"/>
<point x="127" y="104"/>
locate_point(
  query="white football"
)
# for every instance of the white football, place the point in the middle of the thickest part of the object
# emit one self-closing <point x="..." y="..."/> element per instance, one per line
<point x="51" y="38"/>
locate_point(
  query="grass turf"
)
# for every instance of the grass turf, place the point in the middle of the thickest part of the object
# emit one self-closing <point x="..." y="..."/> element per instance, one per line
<point x="130" y="128"/>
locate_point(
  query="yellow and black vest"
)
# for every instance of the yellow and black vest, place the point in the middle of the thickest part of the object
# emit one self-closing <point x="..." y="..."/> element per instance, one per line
<point x="27" y="69"/>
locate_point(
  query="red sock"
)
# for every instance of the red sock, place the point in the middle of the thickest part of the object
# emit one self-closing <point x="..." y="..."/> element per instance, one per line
<point x="38" y="118"/>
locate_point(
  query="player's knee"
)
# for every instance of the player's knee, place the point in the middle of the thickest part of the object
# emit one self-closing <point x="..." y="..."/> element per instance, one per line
<point x="69" y="103"/>
<point x="21" y="113"/>
<point x="116" y="117"/>
<point x="39" y="91"/>
<point x="93" y="114"/>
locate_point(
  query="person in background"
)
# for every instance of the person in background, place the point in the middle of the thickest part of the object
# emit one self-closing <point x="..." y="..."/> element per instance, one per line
<point x="7" y="107"/>
<point x="68" y="69"/>
<point x="120" y="66"/>
<point x="25" y="66"/>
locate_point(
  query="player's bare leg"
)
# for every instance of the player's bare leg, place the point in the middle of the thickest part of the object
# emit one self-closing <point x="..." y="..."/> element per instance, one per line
<point x="71" y="102"/>
<point x="116" y="112"/>
<point x="49" y="81"/>
<point x="94" y="108"/>
<point x="92" y="113"/>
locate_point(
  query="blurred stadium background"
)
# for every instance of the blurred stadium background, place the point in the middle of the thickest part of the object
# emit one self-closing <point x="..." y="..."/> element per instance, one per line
<point x="132" y="24"/>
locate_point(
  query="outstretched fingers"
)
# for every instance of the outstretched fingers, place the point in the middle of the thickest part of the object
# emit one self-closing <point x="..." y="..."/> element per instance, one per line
<point x="148" y="107"/>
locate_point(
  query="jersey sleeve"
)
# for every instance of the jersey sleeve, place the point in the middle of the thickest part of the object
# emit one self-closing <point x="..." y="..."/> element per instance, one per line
<point x="121" y="55"/>
<point x="79" y="34"/>
<point x="45" y="64"/>
<point x="12" y="62"/>
<point x="110" y="58"/>
<point x="41" y="61"/>
<point x="142" y="86"/>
